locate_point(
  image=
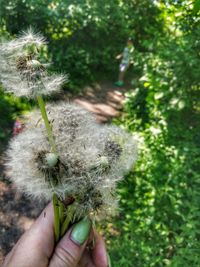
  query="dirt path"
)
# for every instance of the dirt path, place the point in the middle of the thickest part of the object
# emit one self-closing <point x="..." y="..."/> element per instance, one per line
<point x="17" y="212"/>
<point x="104" y="100"/>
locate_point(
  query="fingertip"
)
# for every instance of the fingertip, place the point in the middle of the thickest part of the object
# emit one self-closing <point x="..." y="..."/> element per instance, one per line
<point x="70" y="248"/>
<point x="99" y="252"/>
<point x="81" y="231"/>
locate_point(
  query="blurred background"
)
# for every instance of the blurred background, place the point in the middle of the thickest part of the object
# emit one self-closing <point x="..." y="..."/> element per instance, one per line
<point x="159" y="218"/>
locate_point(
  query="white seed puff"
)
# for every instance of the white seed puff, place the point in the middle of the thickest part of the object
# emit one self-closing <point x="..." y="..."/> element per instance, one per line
<point x="21" y="72"/>
<point x="25" y="39"/>
<point x="90" y="159"/>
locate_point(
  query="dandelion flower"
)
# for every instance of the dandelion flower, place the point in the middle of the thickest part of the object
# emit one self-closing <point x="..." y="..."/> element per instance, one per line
<point x="25" y="40"/>
<point x="91" y="158"/>
<point x="21" y="72"/>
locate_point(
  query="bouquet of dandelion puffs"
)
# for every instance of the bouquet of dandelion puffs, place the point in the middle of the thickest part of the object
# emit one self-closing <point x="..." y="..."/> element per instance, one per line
<point x="65" y="156"/>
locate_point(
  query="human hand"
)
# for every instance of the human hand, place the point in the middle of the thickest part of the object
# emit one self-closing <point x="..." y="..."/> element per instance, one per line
<point x="36" y="247"/>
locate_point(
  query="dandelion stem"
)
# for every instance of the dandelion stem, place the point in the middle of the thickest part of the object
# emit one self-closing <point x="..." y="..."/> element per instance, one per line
<point x="56" y="217"/>
<point x="61" y="212"/>
<point x="68" y="219"/>
<point x="46" y="122"/>
<point x="58" y="208"/>
<point x="109" y="261"/>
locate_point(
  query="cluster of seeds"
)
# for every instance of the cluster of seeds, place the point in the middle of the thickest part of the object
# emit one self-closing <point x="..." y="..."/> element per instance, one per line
<point x="90" y="158"/>
<point x="21" y="71"/>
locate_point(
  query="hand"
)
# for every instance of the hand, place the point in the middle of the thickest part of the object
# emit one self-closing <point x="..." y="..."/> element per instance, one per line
<point x="36" y="247"/>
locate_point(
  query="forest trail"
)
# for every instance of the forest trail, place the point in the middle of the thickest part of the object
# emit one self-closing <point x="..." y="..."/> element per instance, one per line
<point x="17" y="212"/>
<point x="103" y="99"/>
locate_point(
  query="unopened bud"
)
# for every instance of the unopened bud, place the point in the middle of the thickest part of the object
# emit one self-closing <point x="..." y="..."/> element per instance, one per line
<point x="34" y="64"/>
<point x="104" y="161"/>
<point x="51" y="159"/>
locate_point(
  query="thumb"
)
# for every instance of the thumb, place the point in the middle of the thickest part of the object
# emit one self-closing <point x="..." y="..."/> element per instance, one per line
<point x="70" y="249"/>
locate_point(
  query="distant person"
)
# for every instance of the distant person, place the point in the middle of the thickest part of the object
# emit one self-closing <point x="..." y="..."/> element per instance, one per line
<point x="125" y="62"/>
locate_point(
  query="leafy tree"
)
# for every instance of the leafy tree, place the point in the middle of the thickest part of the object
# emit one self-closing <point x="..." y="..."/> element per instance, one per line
<point x="85" y="36"/>
<point x="160" y="214"/>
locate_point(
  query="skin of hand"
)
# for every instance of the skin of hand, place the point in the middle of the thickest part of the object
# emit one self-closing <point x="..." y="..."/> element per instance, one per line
<point x="36" y="247"/>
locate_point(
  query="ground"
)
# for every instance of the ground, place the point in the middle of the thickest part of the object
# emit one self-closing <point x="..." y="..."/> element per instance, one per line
<point x="17" y="212"/>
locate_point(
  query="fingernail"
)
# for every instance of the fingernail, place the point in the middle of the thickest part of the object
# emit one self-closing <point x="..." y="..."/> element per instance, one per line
<point x="81" y="231"/>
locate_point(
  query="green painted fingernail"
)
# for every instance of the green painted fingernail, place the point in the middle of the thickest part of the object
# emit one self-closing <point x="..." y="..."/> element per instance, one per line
<point x="81" y="231"/>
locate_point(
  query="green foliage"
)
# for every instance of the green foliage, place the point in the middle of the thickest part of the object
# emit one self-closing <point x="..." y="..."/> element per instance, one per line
<point x="85" y="36"/>
<point x="160" y="215"/>
<point x="10" y="108"/>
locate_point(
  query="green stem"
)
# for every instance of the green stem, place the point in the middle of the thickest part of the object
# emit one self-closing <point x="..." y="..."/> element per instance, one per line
<point x="61" y="222"/>
<point x="56" y="217"/>
<point x="68" y="219"/>
<point x="61" y="212"/>
<point x="109" y="261"/>
<point x="46" y="122"/>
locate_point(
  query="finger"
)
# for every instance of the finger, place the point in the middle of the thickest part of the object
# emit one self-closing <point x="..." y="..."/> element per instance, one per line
<point x="36" y="246"/>
<point x="96" y="256"/>
<point x="86" y="260"/>
<point x="71" y="247"/>
<point x="99" y="253"/>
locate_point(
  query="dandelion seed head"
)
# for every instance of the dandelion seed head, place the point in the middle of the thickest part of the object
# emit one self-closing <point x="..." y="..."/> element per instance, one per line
<point x="91" y="159"/>
<point x="21" y="71"/>
<point x="27" y="39"/>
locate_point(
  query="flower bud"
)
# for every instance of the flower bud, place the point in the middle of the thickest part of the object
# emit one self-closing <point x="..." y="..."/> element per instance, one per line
<point x="104" y="162"/>
<point x="34" y="64"/>
<point x="51" y="159"/>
